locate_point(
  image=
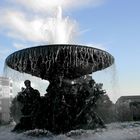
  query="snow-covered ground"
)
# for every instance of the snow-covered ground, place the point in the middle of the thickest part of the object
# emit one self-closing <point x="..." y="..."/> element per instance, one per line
<point x="114" y="131"/>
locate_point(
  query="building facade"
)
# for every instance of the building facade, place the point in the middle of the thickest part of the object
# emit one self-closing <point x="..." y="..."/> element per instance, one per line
<point x="128" y="108"/>
<point x="5" y="99"/>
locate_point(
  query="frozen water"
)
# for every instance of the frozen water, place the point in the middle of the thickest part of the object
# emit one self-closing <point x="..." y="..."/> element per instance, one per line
<point x="114" y="131"/>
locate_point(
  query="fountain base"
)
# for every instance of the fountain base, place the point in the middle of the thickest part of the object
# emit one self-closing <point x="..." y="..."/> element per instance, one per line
<point x="66" y="106"/>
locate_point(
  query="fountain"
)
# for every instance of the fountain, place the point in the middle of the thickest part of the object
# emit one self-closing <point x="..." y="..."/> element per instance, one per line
<point x="72" y="93"/>
<point x="63" y="66"/>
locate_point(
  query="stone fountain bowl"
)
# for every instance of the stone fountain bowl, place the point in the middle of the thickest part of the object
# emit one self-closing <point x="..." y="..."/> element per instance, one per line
<point x="69" y="61"/>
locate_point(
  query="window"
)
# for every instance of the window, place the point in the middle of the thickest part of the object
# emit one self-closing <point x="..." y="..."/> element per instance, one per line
<point x="10" y="90"/>
<point x="11" y="84"/>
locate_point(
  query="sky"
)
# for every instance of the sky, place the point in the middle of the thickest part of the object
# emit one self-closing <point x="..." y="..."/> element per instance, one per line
<point x="107" y="24"/>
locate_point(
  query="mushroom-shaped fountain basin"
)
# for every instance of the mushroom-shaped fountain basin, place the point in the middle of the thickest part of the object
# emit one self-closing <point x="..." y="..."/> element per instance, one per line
<point x="69" y="61"/>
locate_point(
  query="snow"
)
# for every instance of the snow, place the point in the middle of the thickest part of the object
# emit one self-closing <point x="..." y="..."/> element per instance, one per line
<point x="114" y="131"/>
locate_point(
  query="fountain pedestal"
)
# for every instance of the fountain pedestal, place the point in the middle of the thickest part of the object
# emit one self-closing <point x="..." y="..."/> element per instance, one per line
<point x="66" y="106"/>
